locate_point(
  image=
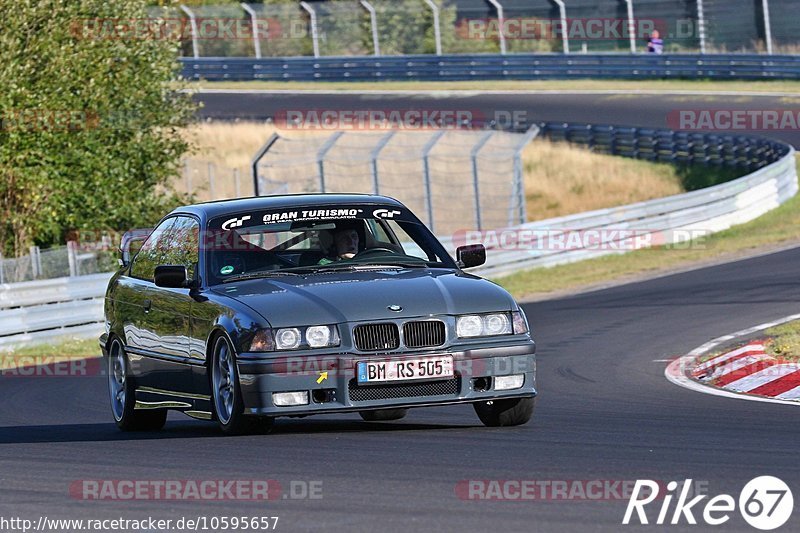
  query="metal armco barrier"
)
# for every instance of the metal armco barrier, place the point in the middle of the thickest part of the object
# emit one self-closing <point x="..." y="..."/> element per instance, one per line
<point x="495" y="67"/>
<point x="42" y="310"/>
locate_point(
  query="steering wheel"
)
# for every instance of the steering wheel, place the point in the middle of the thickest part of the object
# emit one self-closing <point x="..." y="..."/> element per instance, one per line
<point x="374" y="251"/>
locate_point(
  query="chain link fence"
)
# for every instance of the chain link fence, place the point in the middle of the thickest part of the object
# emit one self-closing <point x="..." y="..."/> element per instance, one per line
<point x="286" y="28"/>
<point x="453" y="179"/>
<point x="58" y="261"/>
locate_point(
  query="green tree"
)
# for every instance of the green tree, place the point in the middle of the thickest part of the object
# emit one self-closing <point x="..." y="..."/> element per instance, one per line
<point x="91" y="119"/>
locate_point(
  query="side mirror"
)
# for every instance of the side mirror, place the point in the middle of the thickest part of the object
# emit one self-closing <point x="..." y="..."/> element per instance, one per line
<point x="131" y="242"/>
<point x="171" y="276"/>
<point x="471" y="255"/>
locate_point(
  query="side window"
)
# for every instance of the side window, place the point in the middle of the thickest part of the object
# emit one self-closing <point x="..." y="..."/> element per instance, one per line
<point x="151" y="252"/>
<point x="181" y="244"/>
<point x="410" y="247"/>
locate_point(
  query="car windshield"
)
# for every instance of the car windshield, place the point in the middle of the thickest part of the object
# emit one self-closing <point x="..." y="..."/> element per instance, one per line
<point x="290" y="241"/>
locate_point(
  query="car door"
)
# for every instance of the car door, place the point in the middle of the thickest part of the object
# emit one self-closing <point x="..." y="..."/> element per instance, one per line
<point x="169" y="317"/>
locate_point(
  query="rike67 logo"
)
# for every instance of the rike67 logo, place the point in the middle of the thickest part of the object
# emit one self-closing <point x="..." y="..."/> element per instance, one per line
<point x="765" y="503"/>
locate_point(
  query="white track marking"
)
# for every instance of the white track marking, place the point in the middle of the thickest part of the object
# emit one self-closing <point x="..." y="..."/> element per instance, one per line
<point x="793" y="394"/>
<point x="676" y="372"/>
<point x="724" y="357"/>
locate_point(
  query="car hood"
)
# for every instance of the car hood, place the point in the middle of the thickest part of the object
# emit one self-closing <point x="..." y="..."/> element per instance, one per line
<point x="336" y="297"/>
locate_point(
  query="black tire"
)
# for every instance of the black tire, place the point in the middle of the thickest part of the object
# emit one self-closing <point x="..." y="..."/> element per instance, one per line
<point x="383" y="415"/>
<point x="226" y="393"/>
<point x="511" y="412"/>
<point x="122" y="394"/>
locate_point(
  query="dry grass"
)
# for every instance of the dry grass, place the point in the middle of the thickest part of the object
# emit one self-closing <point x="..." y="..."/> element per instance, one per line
<point x="784" y="341"/>
<point x="559" y="179"/>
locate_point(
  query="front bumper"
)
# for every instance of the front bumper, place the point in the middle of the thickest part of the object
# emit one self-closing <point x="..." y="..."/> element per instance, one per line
<point x="332" y="388"/>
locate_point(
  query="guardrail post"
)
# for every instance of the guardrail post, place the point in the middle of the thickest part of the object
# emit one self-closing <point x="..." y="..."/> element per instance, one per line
<point x="701" y="26"/>
<point x="257" y="159"/>
<point x="314" y="32"/>
<point x="254" y="22"/>
<point x="437" y="31"/>
<point x="426" y="174"/>
<point x="518" y="182"/>
<point x="475" y="185"/>
<point x="326" y="146"/>
<point x="193" y="25"/>
<point x="501" y="25"/>
<point x="767" y="25"/>
<point x="562" y="9"/>
<point x="373" y="159"/>
<point x="631" y="26"/>
<point x="373" y="22"/>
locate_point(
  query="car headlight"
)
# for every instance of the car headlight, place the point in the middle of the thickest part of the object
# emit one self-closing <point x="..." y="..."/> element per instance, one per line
<point x="287" y="338"/>
<point x="267" y="340"/>
<point x="483" y="325"/>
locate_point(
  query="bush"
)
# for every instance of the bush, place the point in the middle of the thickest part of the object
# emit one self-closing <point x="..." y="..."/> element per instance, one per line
<point x="90" y="120"/>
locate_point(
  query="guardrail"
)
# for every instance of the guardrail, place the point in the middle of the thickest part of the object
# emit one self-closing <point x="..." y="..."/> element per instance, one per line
<point x="495" y="67"/>
<point x="48" y="309"/>
<point x="772" y="181"/>
<point x="43" y="310"/>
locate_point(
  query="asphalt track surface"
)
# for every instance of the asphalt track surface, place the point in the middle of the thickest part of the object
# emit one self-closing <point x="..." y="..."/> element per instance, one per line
<point x="605" y="412"/>
<point x="650" y="110"/>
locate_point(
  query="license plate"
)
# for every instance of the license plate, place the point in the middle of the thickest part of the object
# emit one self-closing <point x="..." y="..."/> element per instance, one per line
<point x="405" y="369"/>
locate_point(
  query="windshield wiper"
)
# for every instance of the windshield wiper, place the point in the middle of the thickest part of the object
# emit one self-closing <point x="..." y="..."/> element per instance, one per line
<point x="256" y="275"/>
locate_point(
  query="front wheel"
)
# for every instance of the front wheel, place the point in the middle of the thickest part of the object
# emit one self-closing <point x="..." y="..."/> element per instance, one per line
<point x="227" y="394"/>
<point x="123" y="396"/>
<point x="511" y="412"/>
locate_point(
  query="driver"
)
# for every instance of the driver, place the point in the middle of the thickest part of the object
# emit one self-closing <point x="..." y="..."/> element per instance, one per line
<point x="346" y="242"/>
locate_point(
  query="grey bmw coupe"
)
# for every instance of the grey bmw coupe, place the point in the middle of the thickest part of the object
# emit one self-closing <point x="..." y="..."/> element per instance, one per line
<point x="242" y="311"/>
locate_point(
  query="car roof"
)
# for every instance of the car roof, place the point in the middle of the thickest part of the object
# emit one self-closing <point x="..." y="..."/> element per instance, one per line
<point x="209" y="210"/>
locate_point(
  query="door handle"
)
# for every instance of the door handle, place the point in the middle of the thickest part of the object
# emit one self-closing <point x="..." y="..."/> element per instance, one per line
<point x="147" y="304"/>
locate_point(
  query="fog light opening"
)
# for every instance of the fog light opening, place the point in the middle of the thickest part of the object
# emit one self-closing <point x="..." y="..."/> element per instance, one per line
<point x="323" y="395"/>
<point x="287" y="399"/>
<point x="481" y="384"/>
<point x="514" y="381"/>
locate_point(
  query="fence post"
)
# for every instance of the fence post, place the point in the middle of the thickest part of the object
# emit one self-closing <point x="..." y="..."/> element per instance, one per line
<point x="475" y="185"/>
<point x="437" y="31"/>
<point x="257" y="159"/>
<point x="188" y="176"/>
<point x="314" y="33"/>
<point x="562" y="10"/>
<point x="501" y="25"/>
<point x="701" y="25"/>
<point x="193" y="25"/>
<point x="631" y="26"/>
<point x="236" y="183"/>
<point x="373" y="159"/>
<point x="72" y="259"/>
<point x="767" y="25"/>
<point x="426" y="173"/>
<point x="254" y="22"/>
<point x="2" y="270"/>
<point x="211" y="191"/>
<point x="373" y="22"/>
<point x="518" y="185"/>
<point x="326" y="146"/>
<point x="34" y="262"/>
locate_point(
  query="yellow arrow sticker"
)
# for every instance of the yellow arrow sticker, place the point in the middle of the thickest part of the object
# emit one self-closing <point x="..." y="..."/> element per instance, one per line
<point x="322" y="377"/>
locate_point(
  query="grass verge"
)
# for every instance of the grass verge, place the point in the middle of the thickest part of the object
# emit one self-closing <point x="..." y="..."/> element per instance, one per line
<point x="778" y="86"/>
<point x="779" y="226"/>
<point x="60" y="351"/>
<point x="784" y="341"/>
